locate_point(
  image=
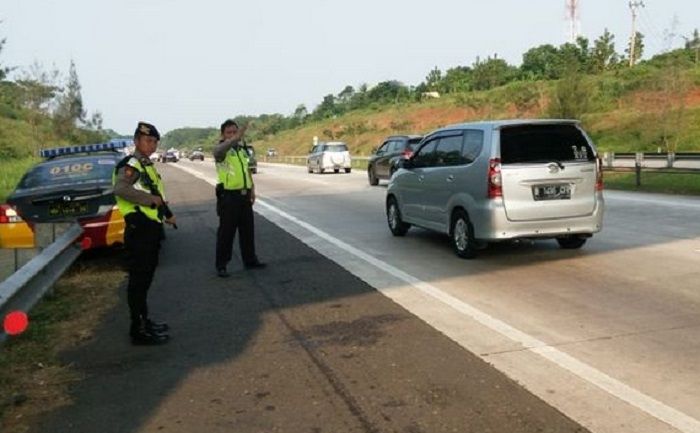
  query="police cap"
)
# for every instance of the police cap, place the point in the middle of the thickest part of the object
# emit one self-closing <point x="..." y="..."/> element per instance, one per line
<point x="146" y="129"/>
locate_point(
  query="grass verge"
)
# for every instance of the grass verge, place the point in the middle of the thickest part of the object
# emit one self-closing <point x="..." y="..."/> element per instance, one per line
<point x="684" y="184"/>
<point x="33" y="380"/>
<point x="11" y="170"/>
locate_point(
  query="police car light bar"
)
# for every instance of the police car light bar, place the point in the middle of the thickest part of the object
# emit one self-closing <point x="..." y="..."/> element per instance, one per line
<point x="85" y="148"/>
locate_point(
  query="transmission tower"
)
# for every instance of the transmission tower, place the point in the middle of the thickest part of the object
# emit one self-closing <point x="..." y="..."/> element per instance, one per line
<point x="572" y="16"/>
<point x="634" y="8"/>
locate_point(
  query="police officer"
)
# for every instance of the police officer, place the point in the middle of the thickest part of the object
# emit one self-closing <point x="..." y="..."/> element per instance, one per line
<point x="235" y="199"/>
<point x="140" y="196"/>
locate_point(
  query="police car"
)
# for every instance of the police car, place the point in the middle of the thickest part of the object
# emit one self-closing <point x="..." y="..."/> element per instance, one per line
<point x="72" y="183"/>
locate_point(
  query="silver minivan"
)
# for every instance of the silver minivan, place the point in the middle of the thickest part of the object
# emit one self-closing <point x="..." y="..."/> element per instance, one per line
<point x="333" y="155"/>
<point x="502" y="180"/>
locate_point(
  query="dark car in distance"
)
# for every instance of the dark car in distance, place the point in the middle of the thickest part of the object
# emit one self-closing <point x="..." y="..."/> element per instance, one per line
<point x="197" y="155"/>
<point x="382" y="163"/>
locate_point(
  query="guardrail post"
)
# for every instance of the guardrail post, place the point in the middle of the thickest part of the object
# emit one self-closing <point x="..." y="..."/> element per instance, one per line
<point x="609" y="158"/>
<point x="670" y="159"/>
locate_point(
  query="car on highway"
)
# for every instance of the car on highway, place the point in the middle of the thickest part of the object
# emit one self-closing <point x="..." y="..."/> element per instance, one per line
<point x="271" y="152"/>
<point x="252" y="160"/>
<point x="72" y="183"/>
<point x="170" y="155"/>
<point x="501" y="180"/>
<point x="156" y="156"/>
<point x="333" y="155"/>
<point x="197" y="155"/>
<point x="383" y="162"/>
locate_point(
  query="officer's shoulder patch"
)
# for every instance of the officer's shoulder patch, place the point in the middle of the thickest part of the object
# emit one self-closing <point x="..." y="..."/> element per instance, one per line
<point x="133" y="162"/>
<point x="129" y="172"/>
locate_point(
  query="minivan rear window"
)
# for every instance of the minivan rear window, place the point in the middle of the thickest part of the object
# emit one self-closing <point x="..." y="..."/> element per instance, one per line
<point x="335" y="148"/>
<point x="544" y="143"/>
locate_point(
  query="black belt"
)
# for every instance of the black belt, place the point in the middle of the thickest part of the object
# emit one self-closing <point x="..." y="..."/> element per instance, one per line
<point x="236" y="191"/>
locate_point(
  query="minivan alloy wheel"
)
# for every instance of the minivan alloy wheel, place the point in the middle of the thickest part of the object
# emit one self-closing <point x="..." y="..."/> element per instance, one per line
<point x="461" y="235"/>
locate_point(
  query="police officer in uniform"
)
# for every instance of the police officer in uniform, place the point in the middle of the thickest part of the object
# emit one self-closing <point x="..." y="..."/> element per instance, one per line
<point x="235" y="198"/>
<point x="140" y="196"/>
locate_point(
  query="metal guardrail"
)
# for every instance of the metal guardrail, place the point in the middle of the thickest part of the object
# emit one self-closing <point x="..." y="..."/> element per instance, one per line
<point x="359" y="162"/>
<point x="23" y="289"/>
<point x="661" y="163"/>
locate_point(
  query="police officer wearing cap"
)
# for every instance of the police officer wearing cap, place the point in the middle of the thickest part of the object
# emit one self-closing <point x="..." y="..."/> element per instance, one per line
<point x="235" y="199"/>
<point x="140" y="196"/>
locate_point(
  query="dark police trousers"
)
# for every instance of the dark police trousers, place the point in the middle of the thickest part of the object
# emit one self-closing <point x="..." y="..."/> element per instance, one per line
<point x="142" y="238"/>
<point x="235" y="213"/>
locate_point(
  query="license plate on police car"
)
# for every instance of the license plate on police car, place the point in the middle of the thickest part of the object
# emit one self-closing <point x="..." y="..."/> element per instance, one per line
<point x="68" y="209"/>
<point x="559" y="191"/>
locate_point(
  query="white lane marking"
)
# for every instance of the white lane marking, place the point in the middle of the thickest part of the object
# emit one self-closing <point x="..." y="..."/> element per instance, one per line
<point x="626" y="393"/>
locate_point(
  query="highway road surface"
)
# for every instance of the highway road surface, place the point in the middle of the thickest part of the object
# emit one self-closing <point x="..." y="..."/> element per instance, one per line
<point x="351" y="329"/>
<point x="609" y="334"/>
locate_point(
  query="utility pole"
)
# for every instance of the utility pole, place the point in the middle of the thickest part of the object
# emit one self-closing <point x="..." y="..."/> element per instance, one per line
<point x="572" y="15"/>
<point x="634" y="8"/>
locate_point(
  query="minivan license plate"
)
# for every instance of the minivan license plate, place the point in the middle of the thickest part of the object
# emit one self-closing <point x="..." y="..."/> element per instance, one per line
<point x="552" y="192"/>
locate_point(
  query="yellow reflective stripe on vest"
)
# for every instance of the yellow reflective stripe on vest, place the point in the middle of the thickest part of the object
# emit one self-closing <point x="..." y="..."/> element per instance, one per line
<point x="126" y="207"/>
<point x="233" y="171"/>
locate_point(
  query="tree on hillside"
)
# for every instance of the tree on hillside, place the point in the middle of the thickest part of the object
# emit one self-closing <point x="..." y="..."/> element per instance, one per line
<point x="326" y="108"/>
<point x="638" y="48"/>
<point x="572" y="95"/>
<point x="541" y="62"/>
<point x="300" y="112"/>
<point x="346" y="94"/>
<point x="432" y="81"/>
<point x="70" y="111"/>
<point x="38" y="90"/>
<point x="389" y="92"/>
<point x="693" y="44"/>
<point x="492" y="72"/>
<point x="457" y="79"/>
<point x="603" y="54"/>
<point x="4" y="70"/>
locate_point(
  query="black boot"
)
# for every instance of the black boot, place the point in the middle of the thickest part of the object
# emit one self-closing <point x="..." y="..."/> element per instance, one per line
<point x="141" y="336"/>
<point x="157" y="327"/>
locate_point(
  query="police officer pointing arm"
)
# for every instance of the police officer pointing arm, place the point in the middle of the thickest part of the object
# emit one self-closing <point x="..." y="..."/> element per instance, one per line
<point x="139" y="193"/>
<point x="235" y="199"/>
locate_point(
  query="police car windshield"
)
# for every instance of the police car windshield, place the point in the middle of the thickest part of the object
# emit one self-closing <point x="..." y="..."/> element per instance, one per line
<point x="69" y="171"/>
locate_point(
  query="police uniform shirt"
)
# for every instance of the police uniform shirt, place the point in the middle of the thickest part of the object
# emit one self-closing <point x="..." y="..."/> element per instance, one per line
<point x="127" y="177"/>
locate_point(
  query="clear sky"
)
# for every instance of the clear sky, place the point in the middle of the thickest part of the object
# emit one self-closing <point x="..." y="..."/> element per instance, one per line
<point x="193" y="63"/>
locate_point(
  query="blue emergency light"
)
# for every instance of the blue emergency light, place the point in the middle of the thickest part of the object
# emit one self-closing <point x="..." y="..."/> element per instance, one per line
<point x="112" y="145"/>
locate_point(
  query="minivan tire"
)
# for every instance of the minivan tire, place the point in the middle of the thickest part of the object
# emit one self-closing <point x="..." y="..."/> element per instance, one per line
<point x="571" y="242"/>
<point x="393" y="217"/>
<point x="372" y="177"/>
<point x="348" y="170"/>
<point x="462" y="235"/>
<point x="336" y="170"/>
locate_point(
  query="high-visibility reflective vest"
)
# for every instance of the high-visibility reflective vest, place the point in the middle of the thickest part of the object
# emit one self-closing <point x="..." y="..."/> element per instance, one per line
<point x="126" y="207"/>
<point x="233" y="171"/>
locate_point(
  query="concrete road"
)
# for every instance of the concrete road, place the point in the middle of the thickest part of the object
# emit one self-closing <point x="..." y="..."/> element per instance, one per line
<point x="303" y="346"/>
<point x="609" y="334"/>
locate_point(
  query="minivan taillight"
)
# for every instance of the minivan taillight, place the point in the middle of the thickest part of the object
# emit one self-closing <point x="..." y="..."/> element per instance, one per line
<point x="8" y="214"/>
<point x="599" y="176"/>
<point x="495" y="184"/>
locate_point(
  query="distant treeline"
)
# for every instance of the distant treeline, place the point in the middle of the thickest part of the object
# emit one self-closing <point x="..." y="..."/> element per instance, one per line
<point x="567" y="65"/>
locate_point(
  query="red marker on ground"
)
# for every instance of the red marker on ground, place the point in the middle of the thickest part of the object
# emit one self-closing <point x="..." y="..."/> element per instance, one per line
<point x="15" y="323"/>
